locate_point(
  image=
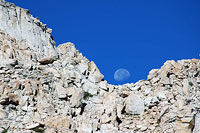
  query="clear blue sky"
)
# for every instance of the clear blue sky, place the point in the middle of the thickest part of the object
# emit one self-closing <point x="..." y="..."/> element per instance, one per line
<point x="137" y="35"/>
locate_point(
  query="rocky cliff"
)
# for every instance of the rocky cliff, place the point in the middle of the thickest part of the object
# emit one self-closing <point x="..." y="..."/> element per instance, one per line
<point x="51" y="89"/>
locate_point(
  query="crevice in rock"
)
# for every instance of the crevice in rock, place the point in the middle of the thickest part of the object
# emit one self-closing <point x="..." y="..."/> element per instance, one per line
<point x="123" y="110"/>
<point x="82" y="108"/>
<point x="70" y="126"/>
<point x="118" y="120"/>
<point x="64" y="99"/>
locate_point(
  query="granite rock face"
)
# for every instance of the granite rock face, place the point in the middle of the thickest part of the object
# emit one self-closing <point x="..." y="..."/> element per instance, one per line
<point x="22" y="26"/>
<point x="51" y="89"/>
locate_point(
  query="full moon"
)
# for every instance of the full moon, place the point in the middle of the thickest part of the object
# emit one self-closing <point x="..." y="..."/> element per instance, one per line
<point x="121" y="74"/>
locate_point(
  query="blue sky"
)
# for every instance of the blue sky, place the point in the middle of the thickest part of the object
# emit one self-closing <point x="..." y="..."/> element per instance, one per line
<point x="138" y="35"/>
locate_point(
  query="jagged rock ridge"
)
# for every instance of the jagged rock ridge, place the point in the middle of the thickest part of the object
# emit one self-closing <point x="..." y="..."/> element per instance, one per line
<point x="49" y="89"/>
<point x="32" y="33"/>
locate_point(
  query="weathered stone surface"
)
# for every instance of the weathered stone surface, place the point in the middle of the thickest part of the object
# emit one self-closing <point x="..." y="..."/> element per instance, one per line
<point x="10" y="62"/>
<point x="197" y="123"/>
<point x="21" y="25"/>
<point x="58" y="122"/>
<point x="77" y="95"/>
<point x="61" y="91"/>
<point x="135" y="88"/>
<point x="3" y="114"/>
<point x="49" y="89"/>
<point x="45" y="61"/>
<point x="85" y="127"/>
<point x="33" y="126"/>
<point x="95" y="75"/>
<point x="83" y="67"/>
<point x="134" y="104"/>
<point x="152" y="74"/>
<point x="109" y="102"/>
<point x="151" y="101"/>
<point x="67" y="50"/>
<point x="14" y="98"/>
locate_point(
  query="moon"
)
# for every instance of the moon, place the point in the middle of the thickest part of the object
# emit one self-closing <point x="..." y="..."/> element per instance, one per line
<point x="121" y="74"/>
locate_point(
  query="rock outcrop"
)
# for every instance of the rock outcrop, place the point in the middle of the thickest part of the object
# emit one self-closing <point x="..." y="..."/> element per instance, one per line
<point x="51" y="89"/>
<point x="29" y="31"/>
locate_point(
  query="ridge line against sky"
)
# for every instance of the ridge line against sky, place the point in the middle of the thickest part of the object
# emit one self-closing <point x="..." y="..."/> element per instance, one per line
<point x="135" y="35"/>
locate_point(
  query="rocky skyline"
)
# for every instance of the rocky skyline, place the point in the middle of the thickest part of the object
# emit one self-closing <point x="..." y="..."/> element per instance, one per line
<point x="44" y="88"/>
<point x="135" y="35"/>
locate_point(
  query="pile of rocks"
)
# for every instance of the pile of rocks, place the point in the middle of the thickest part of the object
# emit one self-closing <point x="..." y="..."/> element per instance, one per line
<point x="49" y="89"/>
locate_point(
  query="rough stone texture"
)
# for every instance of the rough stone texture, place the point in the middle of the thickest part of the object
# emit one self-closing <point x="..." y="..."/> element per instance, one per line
<point x="48" y="89"/>
<point x="21" y="25"/>
<point x="134" y="104"/>
<point x="197" y="123"/>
